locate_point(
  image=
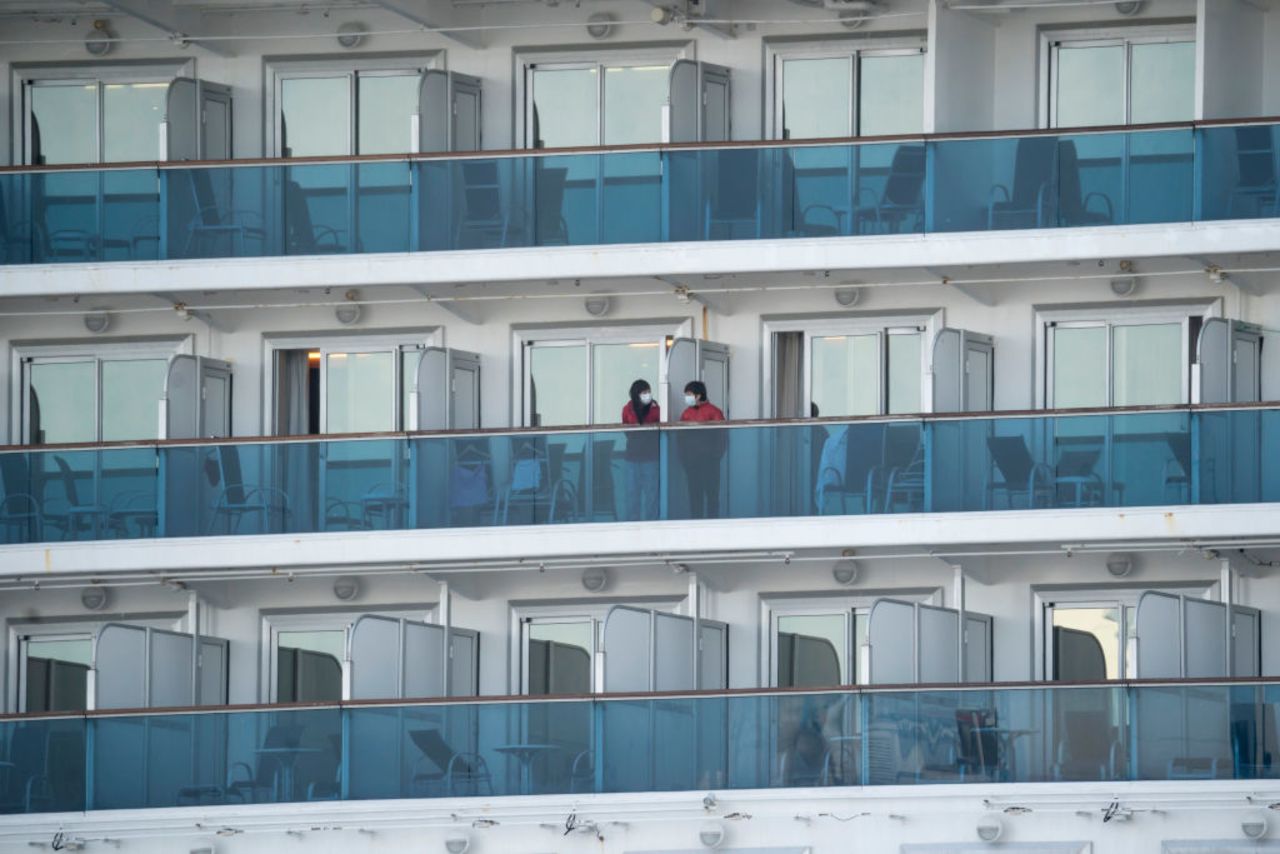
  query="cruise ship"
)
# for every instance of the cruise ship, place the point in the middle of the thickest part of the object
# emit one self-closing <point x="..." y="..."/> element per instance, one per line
<point x="640" y="426"/>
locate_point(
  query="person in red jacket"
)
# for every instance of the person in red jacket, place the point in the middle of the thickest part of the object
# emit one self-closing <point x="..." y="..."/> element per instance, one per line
<point x="700" y="453"/>
<point x="641" y="453"/>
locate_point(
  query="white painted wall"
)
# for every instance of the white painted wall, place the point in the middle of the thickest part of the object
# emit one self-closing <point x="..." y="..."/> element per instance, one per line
<point x="962" y="58"/>
<point x="1229" y="45"/>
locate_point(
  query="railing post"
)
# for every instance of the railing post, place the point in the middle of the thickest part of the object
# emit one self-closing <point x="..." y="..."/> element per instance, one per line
<point x="344" y="764"/>
<point x="88" y="762"/>
<point x="597" y="737"/>
<point x="930" y="185"/>
<point x="1198" y="165"/>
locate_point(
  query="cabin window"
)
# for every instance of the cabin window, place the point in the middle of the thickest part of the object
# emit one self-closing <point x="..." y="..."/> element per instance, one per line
<point x="581" y="375"/>
<point x="831" y="91"/>
<point x="1115" y="79"/>
<point x="93" y="394"/>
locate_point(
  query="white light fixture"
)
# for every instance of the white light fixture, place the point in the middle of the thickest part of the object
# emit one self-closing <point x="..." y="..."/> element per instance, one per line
<point x="351" y="34"/>
<point x="595" y="579"/>
<point x="457" y="844"/>
<point x="1255" y="825"/>
<point x="97" y="321"/>
<point x="99" y="41"/>
<point x="661" y="16"/>
<point x="346" y="588"/>
<point x="597" y="305"/>
<point x="848" y="296"/>
<point x="711" y="834"/>
<point x="990" y="828"/>
<point x="1129" y="8"/>
<point x="1124" y="287"/>
<point x="1119" y="564"/>
<point x="94" y="597"/>
<point x="845" y="572"/>
<point x="349" y="312"/>
<point x="600" y="25"/>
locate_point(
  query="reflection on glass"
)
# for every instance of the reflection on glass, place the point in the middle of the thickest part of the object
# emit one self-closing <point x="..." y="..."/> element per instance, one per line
<point x="556" y="385"/>
<point x="891" y="95"/>
<point x="1146" y="367"/>
<point x="61" y="402"/>
<point x="1086" y="644"/>
<point x="560" y="657"/>
<point x="565" y="105"/>
<point x="131" y="392"/>
<point x="812" y="650"/>
<point x="385" y="105"/>
<point x="817" y="98"/>
<point x="845" y="374"/>
<point x="64" y="124"/>
<point x="57" y="674"/>
<point x="315" y="116"/>
<point x="131" y="116"/>
<point x="359" y="393"/>
<point x="1162" y="80"/>
<point x="615" y="367"/>
<point x="904" y="373"/>
<point x="309" y="666"/>
<point x="633" y="101"/>
<point x="1090" y="86"/>
<point x="1079" y="367"/>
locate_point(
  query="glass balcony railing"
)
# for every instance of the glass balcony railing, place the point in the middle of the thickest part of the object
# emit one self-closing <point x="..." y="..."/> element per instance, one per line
<point x="847" y="737"/>
<point x="940" y="464"/>
<point x="416" y="204"/>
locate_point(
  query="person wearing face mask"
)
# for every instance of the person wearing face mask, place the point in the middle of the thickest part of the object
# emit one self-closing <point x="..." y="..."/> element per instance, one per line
<point x="641" y="453"/>
<point x="701" y="452"/>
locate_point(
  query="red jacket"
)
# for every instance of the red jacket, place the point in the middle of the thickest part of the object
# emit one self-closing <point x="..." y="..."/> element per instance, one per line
<point x="653" y="416"/>
<point x="642" y="444"/>
<point x="702" y="412"/>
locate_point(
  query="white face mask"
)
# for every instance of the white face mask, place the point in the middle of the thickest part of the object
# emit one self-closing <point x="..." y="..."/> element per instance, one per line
<point x="690" y="400"/>
<point x="646" y="398"/>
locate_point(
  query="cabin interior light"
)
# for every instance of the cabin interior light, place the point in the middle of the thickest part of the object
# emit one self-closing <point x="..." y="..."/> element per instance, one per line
<point x="99" y="41"/>
<point x="600" y="25"/>
<point x="349" y="312"/>
<point x="595" y="579"/>
<point x="351" y="34"/>
<point x="457" y="844"/>
<point x="97" y="321"/>
<point x="990" y="828"/>
<point x="848" y="296"/>
<point x="346" y="588"/>
<point x="94" y="597"/>
<point x="1119" y="564"/>
<point x="711" y="834"/>
<point x="597" y="305"/>
<point x="845" y="571"/>
<point x="1255" y="825"/>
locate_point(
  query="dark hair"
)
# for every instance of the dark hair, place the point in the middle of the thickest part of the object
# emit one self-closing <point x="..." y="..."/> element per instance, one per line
<point x="641" y="410"/>
<point x="697" y="388"/>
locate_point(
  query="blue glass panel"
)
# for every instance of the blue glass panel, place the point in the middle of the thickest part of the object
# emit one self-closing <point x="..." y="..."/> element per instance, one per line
<point x="749" y="471"/>
<point x="612" y="197"/>
<point x="42" y="765"/>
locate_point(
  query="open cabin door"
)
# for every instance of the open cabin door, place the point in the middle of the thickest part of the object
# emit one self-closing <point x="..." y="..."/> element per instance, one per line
<point x="692" y="359"/>
<point x="446" y="391"/>
<point x="1228" y="362"/>
<point x="136" y="667"/>
<point x="448" y="117"/>
<point x="697" y="108"/>
<point x="962" y="368"/>
<point x="197" y="121"/>
<point x="197" y="399"/>
<point x="910" y="643"/>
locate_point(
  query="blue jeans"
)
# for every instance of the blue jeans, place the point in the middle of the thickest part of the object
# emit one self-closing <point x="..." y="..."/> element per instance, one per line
<point x="642" y="490"/>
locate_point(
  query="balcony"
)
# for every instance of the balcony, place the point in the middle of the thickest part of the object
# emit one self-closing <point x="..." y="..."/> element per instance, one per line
<point x="416" y="203"/>
<point x="1154" y="457"/>
<point x="1112" y="732"/>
